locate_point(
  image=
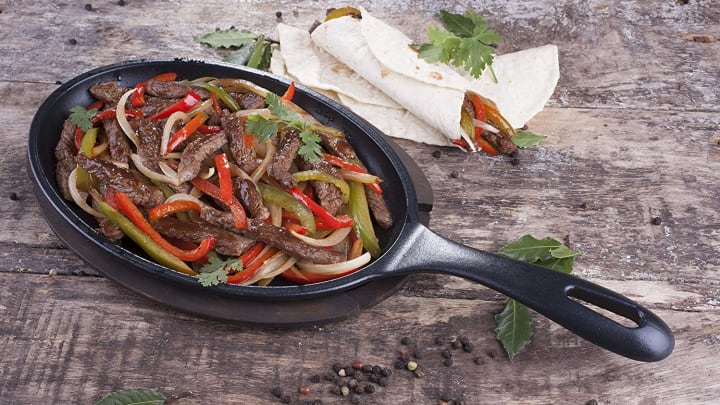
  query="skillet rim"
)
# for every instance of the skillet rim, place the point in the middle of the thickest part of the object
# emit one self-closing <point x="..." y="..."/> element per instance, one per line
<point x="46" y="188"/>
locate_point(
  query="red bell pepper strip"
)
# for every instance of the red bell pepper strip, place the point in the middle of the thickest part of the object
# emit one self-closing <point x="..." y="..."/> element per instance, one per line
<point x="238" y="212"/>
<point x="290" y="92"/>
<point x="247" y="257"/>
<point x="303" y="277"/>
<point x="216" y="103"/>
<point x="138" y="97"/>
<point x="170" y="208"/>
<point x="479" y="107"/>
<point x="110" y="114"/>
<point x="223" y="170"/>
<point x="184" y="133"/>
<point x="343" y="221"/>
<point x="128" y="208"/>
<point x="183" y="105"/>
<point x="248" y="140"/>
<point x="336" y="161"/>
<point x="320" y="225"/>
<point x="252" y="268"/>
<point x="209" y="129"/>
<point x="79" y="134"/>
<point x="483" y="144"/>
<point x="98" y="105"/>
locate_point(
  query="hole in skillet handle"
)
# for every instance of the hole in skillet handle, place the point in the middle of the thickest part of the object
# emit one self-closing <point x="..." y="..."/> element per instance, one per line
<point x="618" y="311"/>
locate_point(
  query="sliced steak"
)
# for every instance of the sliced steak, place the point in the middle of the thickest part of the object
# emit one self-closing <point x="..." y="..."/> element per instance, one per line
<point x="330" y="196"/>
<point x="341" y="148"/>
<point x="117" y="142"/>
<point x="163" y="89"/>
<point x="150" y="135"/>
<point x="287" y="150"/>
<point x="65" y="155"/>
<point x="108" y="92"/>
<point x="249" y="101"/>
<point x="502" y="143"/>
<point x="234" y="129"/>
<point x="196" y="152"/>
<point x="109" y="229"/>
<point x="127" y="181"/>
<point x="226" y="242"/>
<point x="251" y="198"/>
<point x="154" y="105"/>
<point x="274" y="236"/>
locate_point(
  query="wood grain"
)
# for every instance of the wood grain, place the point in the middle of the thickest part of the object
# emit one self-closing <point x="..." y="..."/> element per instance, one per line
<point x="631" y="138"/>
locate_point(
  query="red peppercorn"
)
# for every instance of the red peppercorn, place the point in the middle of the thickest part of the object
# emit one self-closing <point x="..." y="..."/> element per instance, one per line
<point x="304" y="390"/>
<point x="357" y="365"/>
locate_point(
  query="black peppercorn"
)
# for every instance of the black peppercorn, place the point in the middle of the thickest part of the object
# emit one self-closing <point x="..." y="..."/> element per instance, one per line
<point x="121" y="2"/>
<point x="367" y="368"/>
<point x="377" y="370"/>
<point x="656" y="221"/>
<point x="277" y="392"/>
<point x="286" y="399"/>
<point x="454" y="174"/>
<point x="369" y="388"/>
<point x="448" y="362"/>
<point x="456" y="345"/>
<point x="384" y="381"/>
<point x="355" y="399"/>
<point x="72" y="41"/>
<point x="278" y="14"/>
<point x="337" y="367"/>
<point x="400" y="364"/>
<point x="406" y="341"/>
<point x="468" y="347"/>
<point x="439" y="341"/>
<point x="88" y="7"/>
<point x="446" y="353"/>
<point x="387" y="372"/>
<point x="437" y="153"/>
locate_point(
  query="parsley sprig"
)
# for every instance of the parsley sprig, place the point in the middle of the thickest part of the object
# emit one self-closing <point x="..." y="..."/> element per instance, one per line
<point x="266" y="128"/>
<point x="467" y="43"/>
<point x="80" y="117"/>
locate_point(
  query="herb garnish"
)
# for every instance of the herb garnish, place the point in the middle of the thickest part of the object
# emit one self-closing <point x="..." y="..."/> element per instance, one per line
<point x="264" y="128"/>
<point x="133" y="396"/>
<point x="250" y="49"/>
<point x="525" y="139"/>
<point x="467" y="43"/>
<point x="216" y="270"/>
<point x="514" y="324"/>
<point x="80" y="117"/>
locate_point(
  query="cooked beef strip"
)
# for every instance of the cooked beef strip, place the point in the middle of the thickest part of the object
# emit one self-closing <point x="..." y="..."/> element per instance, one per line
<point x="128" y="181"/>
<point x="108" y="92"/>
<point x="330" y="196"/>
<point x="234" y="129"/>
<point x="468" y="106"/>
<point x="197" y="151"/>
<point x="117" y="142"/>
<point x="109" y="229"/>
<point x="287" y="149"/>
<point x="65" y="155"/>
<point x="163" y="89"/>
<point x="226" y="242"/>
<point x="154" y="105"/>
<point x="280" y="238"/>
<point x="150" y="135"/>
<point x="249" y="101"/>
<point x="251" y="198"/>
<point x="502" y="143"/>
<point x="340" y="147"/>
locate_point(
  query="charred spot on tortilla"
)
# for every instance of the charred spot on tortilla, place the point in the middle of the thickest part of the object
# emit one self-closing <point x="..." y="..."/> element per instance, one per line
<point x="436" y="75"/>
<point x="384" y="72"/>
<point x="341" y="69"/>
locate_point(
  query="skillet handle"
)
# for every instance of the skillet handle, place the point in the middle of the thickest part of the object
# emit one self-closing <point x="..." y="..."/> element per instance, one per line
<point x="551" y="293"/>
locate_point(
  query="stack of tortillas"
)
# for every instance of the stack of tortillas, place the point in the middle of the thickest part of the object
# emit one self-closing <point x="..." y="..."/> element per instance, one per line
<point x="369" y="67"/>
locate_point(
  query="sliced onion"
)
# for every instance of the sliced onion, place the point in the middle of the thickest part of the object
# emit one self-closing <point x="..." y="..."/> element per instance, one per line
<point x="122" y="120"/>
<point x="168" y="129"/>
<point x="204" y="106"/>
<point x="99" y="149"/>
<point x="78" y="197"/>
<point x="484" y="125"/>
<point x="275" y="214"/>
<point x="365" y="178"/>
<point x="207" y="173"/>
<point x="184" y="197"/>
<point x="273" y="268"/>
<point x="331" y="240"/>
<point x="137" y="160"/>
<point x="167" y="170"/>
<point x="262" y="168"/>
<point x="257" y="111"/>
<point x="336" y="268"/>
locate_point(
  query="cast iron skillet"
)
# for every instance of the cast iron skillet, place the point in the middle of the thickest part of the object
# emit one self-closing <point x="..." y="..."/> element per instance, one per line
<point x="408" y="247"/>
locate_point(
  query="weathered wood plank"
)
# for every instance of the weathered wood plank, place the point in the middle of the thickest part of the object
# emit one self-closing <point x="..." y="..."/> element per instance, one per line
<point x="72" y="339"/>
<point x="625" y="54"/>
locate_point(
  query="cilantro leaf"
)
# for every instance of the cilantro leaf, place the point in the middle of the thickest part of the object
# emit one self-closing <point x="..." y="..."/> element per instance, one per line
<point x="467" y="43"/>
<point x="524" y="139"/>
<point x="133" y="396"/>
<point x="264" y="128"/>
<point x="216" y="270"/>
<point x="228" y="38"/>
<point x="80" y="117"/>
<point x="514" y="324"/>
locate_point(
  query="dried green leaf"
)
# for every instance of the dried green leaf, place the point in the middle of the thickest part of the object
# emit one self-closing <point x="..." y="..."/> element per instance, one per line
<point x="241" y="55"/>
<point x="529" y="249"/>
<point x="228" y="38"/>
<point x="514" y="327"/>
<point x="137" y="396"/>
<point x="524" y="139"/>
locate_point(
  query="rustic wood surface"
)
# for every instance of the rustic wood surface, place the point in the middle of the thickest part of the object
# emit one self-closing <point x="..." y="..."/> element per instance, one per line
<point x="632" y="135"/>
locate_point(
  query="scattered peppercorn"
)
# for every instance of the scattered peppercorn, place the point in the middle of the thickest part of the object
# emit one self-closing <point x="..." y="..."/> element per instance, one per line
<point x="53" y="272"/>
<point x="278" y="14"/>
<point x="367" y="368"/>
<point x="357" y="365"/>
<point x="468" y="347"/>
<point x="277" y="392"/>
<point x="88" y="7"/>
<point x="417" y="353"/>
<point x="369" y="388"/>
<point x="456" y="345"/>
<point x="384" y="381"/>
<point x="14" y="196"/>
<point x="400" y="364"/>
<point x="352" y="383"/>
<point x="446" y="353"/>
<point x="337" y="367"/>
<point x="448" y="362"/>
<point x="419" y="374"/>
<point x="344" y="390"/>
<point x="656" y="221"/>
<point x="341" y="372"/>
<point x="335" y="390"/>
<point x="437" y="153"/>
<point x="374" y="378"/>
<point x="386" y="371"/>
<point x="72" y="41"/>
<point x="454" y="174"/>
<point x="121" y="2"/>
<point x="286" y="399"/>
<point x="445" y="396"/>
<point x="439" y="341"/>
<point x="407" y="341"/>
<point x="315" y="378"/>
<point x="377" y="370"/>
<point x="304" y="390"/>
<point x="411" y="365"/>
<point x="355" y="399"/>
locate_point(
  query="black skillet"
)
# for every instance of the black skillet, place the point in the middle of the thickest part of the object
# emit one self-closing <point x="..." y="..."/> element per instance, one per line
<point x="408" y="247"/>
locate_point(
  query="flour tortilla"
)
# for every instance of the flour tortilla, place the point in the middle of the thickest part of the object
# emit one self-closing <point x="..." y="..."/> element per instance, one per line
<point x="300" y="59"/>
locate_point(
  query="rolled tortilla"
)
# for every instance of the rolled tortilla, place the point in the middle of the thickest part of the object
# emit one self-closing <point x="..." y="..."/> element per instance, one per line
<point x="300" y="59"/>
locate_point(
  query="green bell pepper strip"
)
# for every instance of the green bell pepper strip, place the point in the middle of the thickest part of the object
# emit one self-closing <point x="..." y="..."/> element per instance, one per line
<point x="286" y="201"/>
<point x="222" y="94"/>
<point x="154" y="250"/>
<point x="326" y="178"/>
<point x="86" y="148"/>
<point x="360" y="212"/>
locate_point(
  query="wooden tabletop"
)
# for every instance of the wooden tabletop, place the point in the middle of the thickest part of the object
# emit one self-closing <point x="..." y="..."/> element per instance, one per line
<point x="628" y="175"/>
